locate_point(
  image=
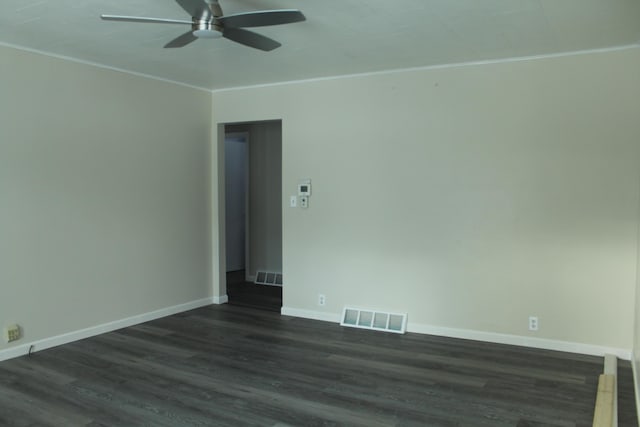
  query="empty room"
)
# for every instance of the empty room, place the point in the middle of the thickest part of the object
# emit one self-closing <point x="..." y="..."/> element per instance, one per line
<point x="278" y="213"/>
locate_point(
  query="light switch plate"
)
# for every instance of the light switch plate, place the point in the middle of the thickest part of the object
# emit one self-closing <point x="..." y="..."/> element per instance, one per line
<point x="293" y="201"/>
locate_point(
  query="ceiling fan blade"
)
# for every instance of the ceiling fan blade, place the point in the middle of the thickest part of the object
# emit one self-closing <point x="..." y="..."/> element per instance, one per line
<point x="144" y="19"/>
<point x="182" y="40"/>
<point x="196" y="8"/>
<point x="261" y="18"/>
<point x="251" y="39"/>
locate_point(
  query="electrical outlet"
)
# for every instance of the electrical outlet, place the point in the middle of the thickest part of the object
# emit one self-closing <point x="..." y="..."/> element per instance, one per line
<point x="533" y="323"/>
<point x="322" y="300"/>
<point x="12" y="333"/>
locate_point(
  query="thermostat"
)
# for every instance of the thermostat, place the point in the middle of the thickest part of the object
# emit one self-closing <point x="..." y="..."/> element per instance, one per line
<point x="304" y="188"/>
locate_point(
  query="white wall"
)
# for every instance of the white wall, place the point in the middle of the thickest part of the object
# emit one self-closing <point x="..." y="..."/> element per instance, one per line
<point x="470" y="197"/>
<point x="104" y="195"/>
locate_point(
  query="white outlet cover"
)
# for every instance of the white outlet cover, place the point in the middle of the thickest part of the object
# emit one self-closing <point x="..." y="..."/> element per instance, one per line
<point x="11" y="333"/>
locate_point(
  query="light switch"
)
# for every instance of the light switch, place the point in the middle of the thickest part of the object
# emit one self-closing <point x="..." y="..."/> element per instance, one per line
<point x="293" y="201"/>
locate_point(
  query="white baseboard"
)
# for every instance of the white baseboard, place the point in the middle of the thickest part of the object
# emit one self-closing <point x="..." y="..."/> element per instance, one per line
<point x="68" y="337"/>
<point x="309" y="314"/>
<point x="468" y="334"/>
<point x="541" y="343"/>
<point x="222" y="299"/>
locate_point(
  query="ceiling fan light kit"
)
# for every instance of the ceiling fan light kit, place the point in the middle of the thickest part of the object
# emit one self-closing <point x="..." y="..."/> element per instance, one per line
<point x="204" y="30"/>
<point x="208" y="21"/>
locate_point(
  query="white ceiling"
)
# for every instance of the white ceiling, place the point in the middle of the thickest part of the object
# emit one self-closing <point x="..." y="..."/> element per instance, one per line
<point x="339" y="37"/>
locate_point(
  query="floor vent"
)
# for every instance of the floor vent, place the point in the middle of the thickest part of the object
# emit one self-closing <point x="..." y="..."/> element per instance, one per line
<point x="268" y="278"/>
<point x="376" y="320"/>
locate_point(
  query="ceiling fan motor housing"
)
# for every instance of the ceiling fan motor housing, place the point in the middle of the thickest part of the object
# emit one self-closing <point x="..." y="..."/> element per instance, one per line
<point x="206" y="29"/>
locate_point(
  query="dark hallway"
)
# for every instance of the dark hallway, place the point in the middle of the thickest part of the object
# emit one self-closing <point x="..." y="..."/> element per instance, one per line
<point x="247" y="294"/>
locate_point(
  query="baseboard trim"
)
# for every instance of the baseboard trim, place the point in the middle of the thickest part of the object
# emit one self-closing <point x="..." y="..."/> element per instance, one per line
<point x="468" y="334"/>
<point x="222" y="299"/>
<point x="541" y="343"/>
<point x="68" y="337"/>
<point x="309" y="314"/>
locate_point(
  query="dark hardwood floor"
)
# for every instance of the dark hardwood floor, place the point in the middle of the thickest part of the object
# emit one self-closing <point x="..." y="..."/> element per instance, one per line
<point x="247" y="294"/>
<point x="237" y="366"/>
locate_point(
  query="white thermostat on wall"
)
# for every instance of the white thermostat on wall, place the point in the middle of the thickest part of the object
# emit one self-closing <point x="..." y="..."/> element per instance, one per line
<point x="304" y="188"/>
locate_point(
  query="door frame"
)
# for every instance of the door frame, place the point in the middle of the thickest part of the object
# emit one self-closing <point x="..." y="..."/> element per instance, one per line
<point x="218" y="257"/>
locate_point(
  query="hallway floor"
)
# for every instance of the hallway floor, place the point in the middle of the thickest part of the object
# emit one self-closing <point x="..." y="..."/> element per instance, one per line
<point x="247" y="294"/>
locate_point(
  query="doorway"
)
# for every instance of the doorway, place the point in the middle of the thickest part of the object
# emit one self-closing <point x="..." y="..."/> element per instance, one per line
<point x="253" y="212"/>
<point x="236" y="157"/>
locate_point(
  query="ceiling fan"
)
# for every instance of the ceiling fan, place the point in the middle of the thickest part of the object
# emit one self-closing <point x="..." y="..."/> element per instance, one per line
<point x="207" y="21"/>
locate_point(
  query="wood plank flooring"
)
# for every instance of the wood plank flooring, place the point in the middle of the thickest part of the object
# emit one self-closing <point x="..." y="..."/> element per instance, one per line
<point x="236" y="366"/>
